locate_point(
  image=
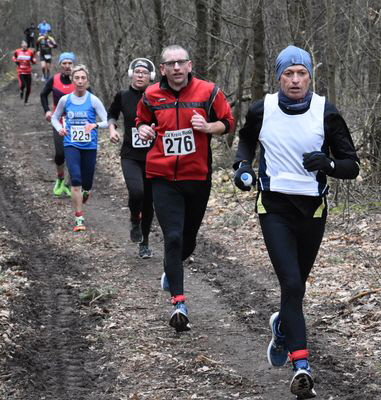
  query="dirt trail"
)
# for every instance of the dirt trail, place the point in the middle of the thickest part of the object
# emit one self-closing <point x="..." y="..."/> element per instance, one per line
<point x="90" y="321"/>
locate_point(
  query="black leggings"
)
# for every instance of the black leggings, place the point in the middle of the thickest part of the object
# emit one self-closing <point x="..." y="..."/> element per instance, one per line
<point x="292" y="242"/>
<point x="139" y="194"/>
<point x="30" y="41"/>
<point x="25" y="81"/>
<point x="59" y="157"/>
<point x="180" y="207"/>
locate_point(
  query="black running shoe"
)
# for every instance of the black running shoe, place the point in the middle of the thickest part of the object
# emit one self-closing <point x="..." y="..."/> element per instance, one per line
<point x="144" y="251"/>
<point x="136" y="232"/>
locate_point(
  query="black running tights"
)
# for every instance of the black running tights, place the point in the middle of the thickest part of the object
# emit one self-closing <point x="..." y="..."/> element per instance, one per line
<point x="139" y="194"/>
<point x="179" y="207"/>
<point x="292" y="242"/>
<point x="25" y="82"/>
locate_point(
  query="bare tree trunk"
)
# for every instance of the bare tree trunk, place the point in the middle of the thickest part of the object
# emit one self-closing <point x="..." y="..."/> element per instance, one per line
<point x="214" y="43"/>
<point x="374" y="87"/>
<point x="331" y="51"/>
<point x="201" y="56"/>
<point x="90" y="9"/>
<point x="258" y="78"/>
<point x="348" y="57"/>
<point x="297" y="12"/>
<point x="119" y="71"/>
<point x="241" y="84"/>
<point x="277" y="35"/>
<point x="161" y="30"/>
<point x="62" y="28"/>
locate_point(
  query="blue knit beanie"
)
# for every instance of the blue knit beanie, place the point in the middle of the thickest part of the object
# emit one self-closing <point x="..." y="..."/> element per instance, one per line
<point x="66" y="56"/>
<point x="292" y="55"/>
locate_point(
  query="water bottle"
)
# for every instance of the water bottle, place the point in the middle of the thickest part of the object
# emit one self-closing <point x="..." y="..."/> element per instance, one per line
<point x="247" y="179"/>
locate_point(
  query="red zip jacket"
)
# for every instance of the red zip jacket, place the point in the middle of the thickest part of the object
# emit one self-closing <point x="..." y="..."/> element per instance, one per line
<point x="24" y="60"/>
<point x="172" y="111"/>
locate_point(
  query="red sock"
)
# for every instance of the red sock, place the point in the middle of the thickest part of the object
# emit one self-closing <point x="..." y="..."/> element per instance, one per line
<point x="79" y="213"/>
<point x="298" y="355"/>
<point x="177" y="299"/>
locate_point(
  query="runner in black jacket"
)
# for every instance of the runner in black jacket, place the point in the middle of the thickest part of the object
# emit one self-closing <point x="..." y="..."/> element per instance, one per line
<point x="30" y="35"/>
<point x="303" y="138"/>
<point x="133" y="152"/>
<point x="59" y="85"/>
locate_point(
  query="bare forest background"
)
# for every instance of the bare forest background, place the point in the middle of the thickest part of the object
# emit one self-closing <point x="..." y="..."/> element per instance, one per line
<point x="231" y="42"/>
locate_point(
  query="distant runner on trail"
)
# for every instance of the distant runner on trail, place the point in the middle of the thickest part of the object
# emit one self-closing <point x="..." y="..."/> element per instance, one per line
<point x="24" y="58"/>
<point x="43" y="27"/>
<point x="303" y="139"/>
<point x="30" y="35"/>
<point x="180" y="113"/>
<point x="80" y="138"/>
<point x="133" y="152"/>
<point x="44" y="46"/>
<point x="59" y="84"/>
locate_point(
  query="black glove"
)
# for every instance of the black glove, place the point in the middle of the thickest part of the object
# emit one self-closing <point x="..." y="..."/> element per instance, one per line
<point x="318" y="161"/>
<point x="244" y="166"/>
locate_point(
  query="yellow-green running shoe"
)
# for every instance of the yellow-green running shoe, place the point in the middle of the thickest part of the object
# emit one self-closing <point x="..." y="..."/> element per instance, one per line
<point x="58" y="187"/>
<point x="66" y="189"/>
<point x="85" y="196"/>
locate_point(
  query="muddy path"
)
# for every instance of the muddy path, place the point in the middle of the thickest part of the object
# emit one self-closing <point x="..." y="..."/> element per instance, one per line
<point x="89" y="320"/>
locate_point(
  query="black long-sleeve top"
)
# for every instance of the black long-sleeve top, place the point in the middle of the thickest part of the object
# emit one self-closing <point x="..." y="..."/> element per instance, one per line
<point x="126" y="102"/>
<point x="338" y="145"/>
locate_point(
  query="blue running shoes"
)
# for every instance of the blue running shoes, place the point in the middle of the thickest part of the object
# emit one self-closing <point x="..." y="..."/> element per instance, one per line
<point x="277" y="352"/>
<point x="302" y="384"/>
<point x="179" y="318"/>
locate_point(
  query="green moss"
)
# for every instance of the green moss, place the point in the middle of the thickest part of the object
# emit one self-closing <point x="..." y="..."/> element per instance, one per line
<point x="359" y="208"/>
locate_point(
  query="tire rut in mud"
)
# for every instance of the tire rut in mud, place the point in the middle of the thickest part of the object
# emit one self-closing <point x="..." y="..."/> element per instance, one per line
<point x="51" y="358"/>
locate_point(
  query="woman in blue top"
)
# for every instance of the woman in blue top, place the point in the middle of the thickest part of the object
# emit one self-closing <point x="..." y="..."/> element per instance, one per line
<point x="80" y="132"/>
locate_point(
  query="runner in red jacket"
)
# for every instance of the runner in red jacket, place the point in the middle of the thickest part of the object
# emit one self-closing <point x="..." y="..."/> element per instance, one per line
<point x="24" y="58"/>
<point x="180" y="113"/>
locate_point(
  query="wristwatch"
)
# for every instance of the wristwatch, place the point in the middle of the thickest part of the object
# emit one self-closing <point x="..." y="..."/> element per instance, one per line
<point x="96" y="126"/>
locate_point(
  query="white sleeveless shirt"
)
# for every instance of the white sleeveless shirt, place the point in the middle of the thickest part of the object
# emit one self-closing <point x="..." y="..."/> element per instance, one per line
<point x="283" y="139"/>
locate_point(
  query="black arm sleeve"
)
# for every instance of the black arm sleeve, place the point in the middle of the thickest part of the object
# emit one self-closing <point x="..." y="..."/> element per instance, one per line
<point x="249" y="133"/>
<point x="47" y="89"/>
<point x="340" y="144"/>
<point x="115" y="108"/>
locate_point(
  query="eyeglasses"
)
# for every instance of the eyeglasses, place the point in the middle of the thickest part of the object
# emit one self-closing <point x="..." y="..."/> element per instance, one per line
<point x="171" y="64"/>
<point x="141" y="72"/>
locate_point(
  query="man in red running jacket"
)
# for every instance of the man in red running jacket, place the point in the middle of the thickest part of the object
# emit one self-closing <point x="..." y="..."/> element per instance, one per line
<point x="24" y="58"/>
<point x="180" y="113"/>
